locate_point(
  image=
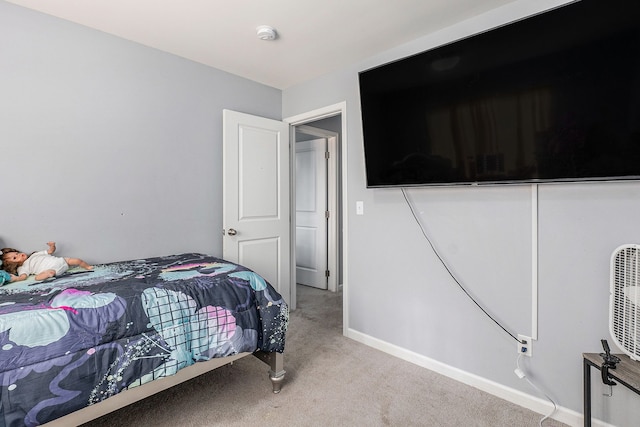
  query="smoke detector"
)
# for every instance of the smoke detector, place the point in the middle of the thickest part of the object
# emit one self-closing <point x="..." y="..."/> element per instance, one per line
<point x="266" y="32"/>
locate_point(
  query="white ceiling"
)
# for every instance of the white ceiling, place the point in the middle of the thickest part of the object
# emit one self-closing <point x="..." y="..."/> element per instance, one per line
<point x="315" y="36"/>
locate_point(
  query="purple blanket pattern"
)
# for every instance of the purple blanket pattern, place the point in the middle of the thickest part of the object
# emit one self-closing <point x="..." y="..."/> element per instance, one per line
<point x="81" y="338"/>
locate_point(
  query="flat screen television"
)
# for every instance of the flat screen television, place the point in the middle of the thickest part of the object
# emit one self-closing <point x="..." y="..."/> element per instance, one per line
<point x="553" y="97"/>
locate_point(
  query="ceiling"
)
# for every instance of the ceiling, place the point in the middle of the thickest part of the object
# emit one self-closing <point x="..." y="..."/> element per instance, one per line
<point x="314" y="36"/>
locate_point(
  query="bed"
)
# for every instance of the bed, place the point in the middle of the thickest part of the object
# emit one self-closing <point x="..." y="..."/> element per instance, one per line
<point x="88" y="342"/>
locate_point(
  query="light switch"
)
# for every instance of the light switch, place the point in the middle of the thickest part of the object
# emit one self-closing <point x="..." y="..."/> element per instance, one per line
<point x="359" y="207"/>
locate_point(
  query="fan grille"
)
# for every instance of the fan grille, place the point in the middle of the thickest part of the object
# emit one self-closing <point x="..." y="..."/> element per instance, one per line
<point x="625" y="299"/>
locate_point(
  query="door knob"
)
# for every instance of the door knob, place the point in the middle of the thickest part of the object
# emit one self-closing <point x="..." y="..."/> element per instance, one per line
<point x="232" y="232"/>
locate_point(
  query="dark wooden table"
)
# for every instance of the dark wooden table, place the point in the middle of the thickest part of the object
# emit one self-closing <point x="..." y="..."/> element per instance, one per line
<point x="627" y="374"/>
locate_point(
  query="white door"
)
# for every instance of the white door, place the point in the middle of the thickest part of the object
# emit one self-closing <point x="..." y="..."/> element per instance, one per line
<point x="256" y="192"/>
<point x="311" y="213"/>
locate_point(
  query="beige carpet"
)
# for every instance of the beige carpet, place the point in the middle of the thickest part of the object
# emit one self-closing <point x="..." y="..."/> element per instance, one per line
<point x="330" y="381"/>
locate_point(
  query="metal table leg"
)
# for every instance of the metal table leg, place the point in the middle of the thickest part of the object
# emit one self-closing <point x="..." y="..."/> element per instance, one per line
<point x="586" y="381"/>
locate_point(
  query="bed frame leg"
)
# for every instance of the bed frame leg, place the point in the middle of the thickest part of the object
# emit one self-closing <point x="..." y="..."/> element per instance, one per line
<point x="276" y="363"/>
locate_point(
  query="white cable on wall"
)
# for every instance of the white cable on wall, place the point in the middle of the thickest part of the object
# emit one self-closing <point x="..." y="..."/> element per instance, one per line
<point x="448" y="269"/>
<point x="534" y="262"/>
<point x="521" y="374"/>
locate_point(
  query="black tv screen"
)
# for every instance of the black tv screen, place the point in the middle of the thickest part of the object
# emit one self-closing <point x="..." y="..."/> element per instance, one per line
<point x="554" y="97"/>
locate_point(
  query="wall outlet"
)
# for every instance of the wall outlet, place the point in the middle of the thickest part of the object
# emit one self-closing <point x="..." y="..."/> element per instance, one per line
<point x="524" y="346"/>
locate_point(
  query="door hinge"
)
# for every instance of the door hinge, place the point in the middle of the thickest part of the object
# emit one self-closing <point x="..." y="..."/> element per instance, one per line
<point x="326" y="273"/>
<point x="326" y="155"/>
<point x="326" y="214"/>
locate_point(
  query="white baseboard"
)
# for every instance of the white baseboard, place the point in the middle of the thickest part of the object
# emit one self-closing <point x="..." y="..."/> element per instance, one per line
<point x="533" y="403"/>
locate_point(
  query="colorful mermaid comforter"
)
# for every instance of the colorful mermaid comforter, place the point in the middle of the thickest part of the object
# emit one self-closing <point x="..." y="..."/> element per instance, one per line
<point x="78" y="339"/>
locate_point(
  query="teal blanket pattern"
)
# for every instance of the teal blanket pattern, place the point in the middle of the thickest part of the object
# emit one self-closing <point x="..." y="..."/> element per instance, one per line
<point x="80" y="338"/>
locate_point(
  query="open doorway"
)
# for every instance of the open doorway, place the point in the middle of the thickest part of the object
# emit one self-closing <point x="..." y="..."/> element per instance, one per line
<point x="317" y="204"/>
<point x="326" y="124"/>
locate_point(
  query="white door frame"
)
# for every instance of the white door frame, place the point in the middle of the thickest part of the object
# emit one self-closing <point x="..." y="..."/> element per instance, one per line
<point x="300" y="119"/>
<point x="332" y="201"/>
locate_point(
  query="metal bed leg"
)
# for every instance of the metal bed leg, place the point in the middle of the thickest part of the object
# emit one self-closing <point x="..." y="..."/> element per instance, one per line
<point x="276" y="363"/>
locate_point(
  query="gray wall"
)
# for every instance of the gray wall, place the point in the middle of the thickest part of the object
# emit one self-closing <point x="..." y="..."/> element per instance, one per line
<point x="110" y="148"/>
<point x="485" y="234"/>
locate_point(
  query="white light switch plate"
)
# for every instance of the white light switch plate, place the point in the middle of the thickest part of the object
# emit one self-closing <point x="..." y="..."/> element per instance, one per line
<point x="359" y="207"/>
